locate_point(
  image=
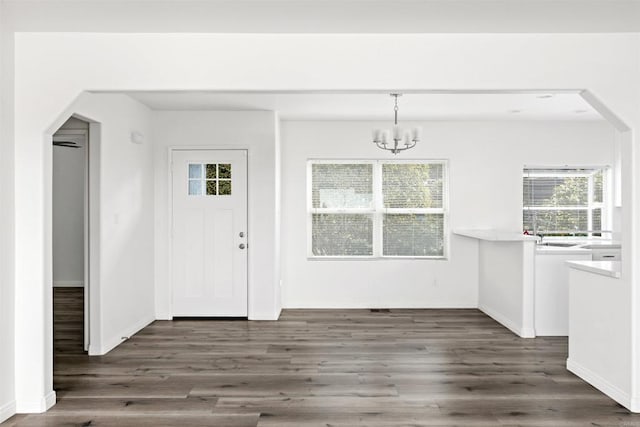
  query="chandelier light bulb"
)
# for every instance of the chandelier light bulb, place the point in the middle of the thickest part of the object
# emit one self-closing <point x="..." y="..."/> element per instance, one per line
<point x="417" y="133"/>
<point x="397" y="132"/>
<point x="386" y="136"/>
<point x="407" y="137"/>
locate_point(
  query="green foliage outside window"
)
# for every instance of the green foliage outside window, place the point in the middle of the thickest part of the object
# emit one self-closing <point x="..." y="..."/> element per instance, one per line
<point x="566" y="199"/>
<point x="337" y="189"/>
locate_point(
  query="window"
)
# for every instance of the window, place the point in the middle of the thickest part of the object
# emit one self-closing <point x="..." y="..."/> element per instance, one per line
<point x="212" y="179"/>
<point x="373" y="209"/>
<point x="564" y="202"/>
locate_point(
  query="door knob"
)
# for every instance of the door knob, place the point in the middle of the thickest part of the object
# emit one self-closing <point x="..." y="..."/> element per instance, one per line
<point x="242" y="234"/>
<point x="241" y="246"/>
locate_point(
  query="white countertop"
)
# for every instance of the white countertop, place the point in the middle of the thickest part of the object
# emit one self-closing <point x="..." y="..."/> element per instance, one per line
<point x="555" y="250"/>
<point x="579" y="246"/>
<point x="496" y="235"/>
<point x="604" y="268"/>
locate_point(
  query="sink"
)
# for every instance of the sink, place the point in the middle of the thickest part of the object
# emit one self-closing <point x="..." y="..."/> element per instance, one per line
<point x="559" y="244"/>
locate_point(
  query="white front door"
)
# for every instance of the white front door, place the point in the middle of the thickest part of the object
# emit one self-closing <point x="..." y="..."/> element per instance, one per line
<point x="209" y="249"/>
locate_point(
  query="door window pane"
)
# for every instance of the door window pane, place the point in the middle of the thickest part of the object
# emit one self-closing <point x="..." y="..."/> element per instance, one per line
<point x="195" y="171"/>
<point x="224" y="188"/>
<point x="195" y="187"/>
<point x="211" y="171"/>
<point x="215" y="182"/>
<point x="224" y="171"/>
<point x="211" y="188"/>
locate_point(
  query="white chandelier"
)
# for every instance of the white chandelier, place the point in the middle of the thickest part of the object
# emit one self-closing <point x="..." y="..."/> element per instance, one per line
<point x="408" y="138"/>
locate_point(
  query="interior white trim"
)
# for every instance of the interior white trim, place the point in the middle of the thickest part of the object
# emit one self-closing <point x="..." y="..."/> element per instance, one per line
<point x="90" y="140"/>
<point x="602" y="384"/>
<point x="508" y="323"/>
<point x="68" y="284"/>
<point x="50" y="399"/>
<point x="37" y="407"/>
<point x="114" y="341"/>
<point x="375" y="106"/>
<point x="7" y="410"/>
<point x="264" y="316"/>
<point x="365" y="305"/>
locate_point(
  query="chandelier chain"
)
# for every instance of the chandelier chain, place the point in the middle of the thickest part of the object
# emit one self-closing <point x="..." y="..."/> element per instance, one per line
<point x="395" y="110"/>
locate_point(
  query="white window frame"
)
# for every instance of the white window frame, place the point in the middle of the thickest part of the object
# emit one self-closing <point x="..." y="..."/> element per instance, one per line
<point x="604" y="206"/>
<point x="378" y="210"/>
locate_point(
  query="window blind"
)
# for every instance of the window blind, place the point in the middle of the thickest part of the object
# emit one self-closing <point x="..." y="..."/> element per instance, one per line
<point x="342" y="186"/>
<point x="563" y="201"/>
<point x="377" y="208"/>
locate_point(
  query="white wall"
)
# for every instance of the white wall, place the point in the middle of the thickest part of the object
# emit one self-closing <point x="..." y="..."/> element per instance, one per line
<point x="255" y="131"/>
<point x="485" y="189"/>
<point x="606" y="65"/>
<point x="68" y="209"/>
<point x="506" y="284"/>
<point x="7" y="316"/>
<point x="600" y="334"/>
<point x="126" y="235"/>
<point x="552" y="291"/>
<point x="121" y="288"/>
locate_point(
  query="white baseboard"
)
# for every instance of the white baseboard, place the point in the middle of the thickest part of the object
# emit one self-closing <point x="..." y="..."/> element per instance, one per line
<point x="109" y="344"/>
<point x="635" y="405"/>
<point x="7" y="410"/>
<point x="36" y="406"/>
<point x="68" y="284"/>
<point x="551" y="333"/>
<point x="508" y="323"/>
<point x="361" y="306"/>
<point x="527" y="333"/>
<point x="601" y="384"/>
<point x="50" y="399"/>
<point x="264" y="316"/>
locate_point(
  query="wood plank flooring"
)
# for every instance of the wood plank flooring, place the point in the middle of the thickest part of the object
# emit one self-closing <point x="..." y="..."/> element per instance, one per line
<point x="326" y="368"/>
<point x="68" y="321"/>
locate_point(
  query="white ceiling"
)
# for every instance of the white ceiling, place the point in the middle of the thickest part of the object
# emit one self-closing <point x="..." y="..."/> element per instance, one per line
<point x="324" y="16"/>
<point x="379" y="106"/>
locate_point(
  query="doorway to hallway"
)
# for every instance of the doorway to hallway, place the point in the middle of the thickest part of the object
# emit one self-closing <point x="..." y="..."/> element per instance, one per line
<point x="70" y="250"/>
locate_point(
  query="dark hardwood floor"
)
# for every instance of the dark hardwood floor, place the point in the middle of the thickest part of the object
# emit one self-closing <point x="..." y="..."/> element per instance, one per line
<point x="324" y="368"/>
<point x="68" y="321"/>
